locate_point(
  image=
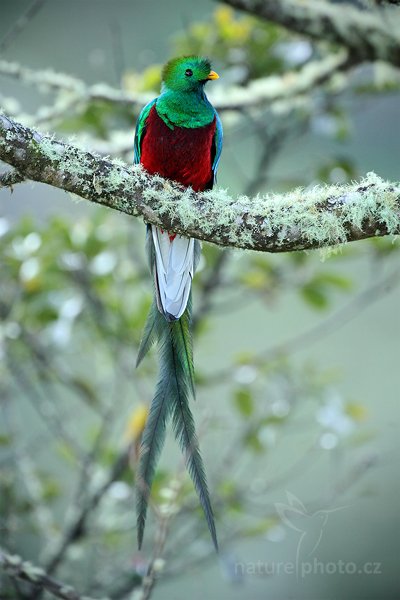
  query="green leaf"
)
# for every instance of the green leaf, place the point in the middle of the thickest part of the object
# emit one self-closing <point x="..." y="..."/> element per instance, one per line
<point x="243" y="400"/>
<point x="51" y="489"/>
<point x="65" y="451"/>
<point x="317" y="291"/>
<point x="252" y="441"/>
<point x="314" y="295"/>
<point x="5" y="439"/>
<point x="255" y="279"/>
<point x="86" y="390"/>
<point x="336" y="280"/>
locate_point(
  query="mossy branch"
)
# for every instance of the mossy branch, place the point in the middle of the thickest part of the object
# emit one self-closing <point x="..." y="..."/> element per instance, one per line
<point x="301" y="219"/>
<point x="17" y="568"/>
<point x="368" y="34"/>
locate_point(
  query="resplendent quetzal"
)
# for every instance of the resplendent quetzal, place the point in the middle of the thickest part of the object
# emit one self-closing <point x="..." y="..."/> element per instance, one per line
<point x="179" y="136"/>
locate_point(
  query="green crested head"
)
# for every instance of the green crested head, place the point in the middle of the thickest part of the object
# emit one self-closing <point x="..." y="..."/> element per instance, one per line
<point x="187" y="74"/>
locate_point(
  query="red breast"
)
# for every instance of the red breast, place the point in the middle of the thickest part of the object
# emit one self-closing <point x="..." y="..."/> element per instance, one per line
<point x="181" y="154"/>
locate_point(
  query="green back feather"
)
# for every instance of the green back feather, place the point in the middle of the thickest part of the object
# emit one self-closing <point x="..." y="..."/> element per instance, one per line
<point x="151" y="333"/>
<point x="154" y="435"/>
<point x="182" y="339"/>
<point x="183" y="422"/>
<point x="174" y="387"/>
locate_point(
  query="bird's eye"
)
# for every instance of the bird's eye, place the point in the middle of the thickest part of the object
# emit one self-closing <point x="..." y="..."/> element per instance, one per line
<point x="188" y="72"/>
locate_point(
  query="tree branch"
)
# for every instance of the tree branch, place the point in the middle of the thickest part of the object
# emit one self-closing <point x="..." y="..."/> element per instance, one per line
<point x="20" y="24"/>
<point x="57" y="82"/>
<point x="17" y="568"/>
<point x="76" y="527"/>
<point x="301" y="219"/>
<point x="257" y="93"/>
<point x="366" y="34"/>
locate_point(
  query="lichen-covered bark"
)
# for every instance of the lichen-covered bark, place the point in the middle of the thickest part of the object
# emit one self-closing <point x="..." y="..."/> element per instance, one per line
<point x="368" y="34"/>
<point x="17" y="568"/>
<point x="301" y="219"/>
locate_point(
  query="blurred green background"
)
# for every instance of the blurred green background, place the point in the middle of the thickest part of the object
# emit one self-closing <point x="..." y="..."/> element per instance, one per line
<point x="296" y="355"/>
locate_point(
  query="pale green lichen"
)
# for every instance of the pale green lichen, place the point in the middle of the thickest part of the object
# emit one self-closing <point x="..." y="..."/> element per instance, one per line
<point x="116" y="178"/>
<point x="34" y="573"/>
<point x="309" y="210"/>
<point x="14" y="560"/>
<point x="67" y="590"/>
<point x="319" y="216"/>
<point x="49" y="147"/>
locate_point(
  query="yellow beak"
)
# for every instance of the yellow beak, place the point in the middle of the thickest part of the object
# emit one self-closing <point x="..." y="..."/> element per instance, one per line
<point x="213" y="75"/>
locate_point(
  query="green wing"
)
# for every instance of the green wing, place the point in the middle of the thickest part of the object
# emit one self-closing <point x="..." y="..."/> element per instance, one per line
<point x="140" y="130"/>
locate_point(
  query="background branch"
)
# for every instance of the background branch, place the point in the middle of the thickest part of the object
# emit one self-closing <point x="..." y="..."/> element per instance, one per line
<point x="17" y="568"/>
<point x="255" y="94"/>
<point x="367" y="34"/>
<point x="20" y="24"/>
